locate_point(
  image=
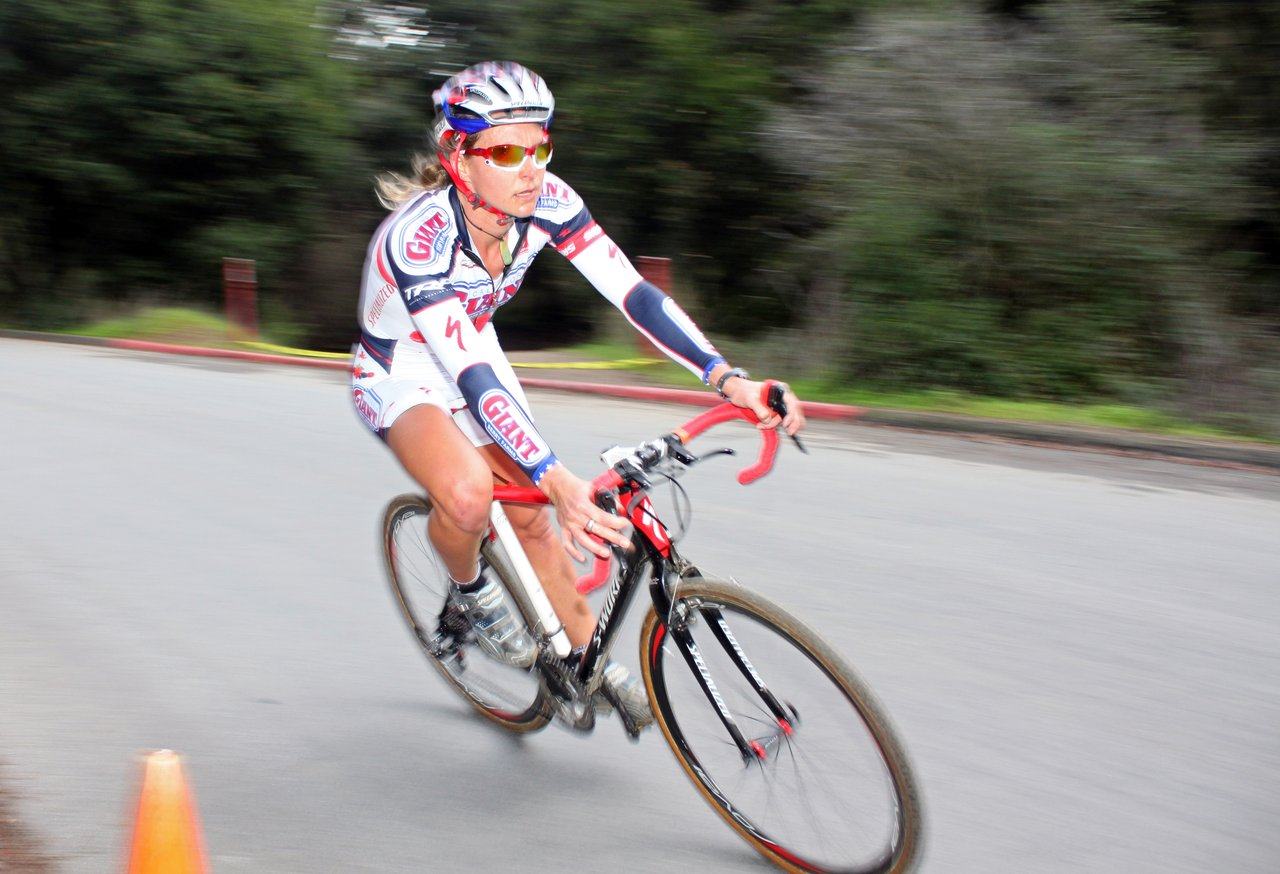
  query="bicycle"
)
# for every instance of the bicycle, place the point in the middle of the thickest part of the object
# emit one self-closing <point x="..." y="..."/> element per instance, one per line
<point x="764" y="702"/>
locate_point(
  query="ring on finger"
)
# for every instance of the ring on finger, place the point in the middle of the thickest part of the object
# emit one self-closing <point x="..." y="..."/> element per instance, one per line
<point x="590" y="524"/>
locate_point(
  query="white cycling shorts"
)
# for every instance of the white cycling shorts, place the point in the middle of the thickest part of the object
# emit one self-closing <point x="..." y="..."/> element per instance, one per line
<point x="415" y="377"/>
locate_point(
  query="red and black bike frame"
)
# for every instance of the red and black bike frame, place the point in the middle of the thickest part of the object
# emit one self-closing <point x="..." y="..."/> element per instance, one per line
<point x="652" y="557"/>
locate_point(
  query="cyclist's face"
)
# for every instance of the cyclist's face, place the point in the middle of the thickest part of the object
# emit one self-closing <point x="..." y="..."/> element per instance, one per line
<point x="512" y="191"/>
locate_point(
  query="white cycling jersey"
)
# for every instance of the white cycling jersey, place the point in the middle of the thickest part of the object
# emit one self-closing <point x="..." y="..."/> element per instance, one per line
<point x="427" y="300"/>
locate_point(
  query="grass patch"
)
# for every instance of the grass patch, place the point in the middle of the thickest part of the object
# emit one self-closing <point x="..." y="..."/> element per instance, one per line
<point x="180" y="325"/>
<point x="608" y="350"/>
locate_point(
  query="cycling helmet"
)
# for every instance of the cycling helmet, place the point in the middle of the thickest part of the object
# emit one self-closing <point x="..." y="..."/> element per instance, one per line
<point x="482" y="96"/>
<point x="489" y="94"/>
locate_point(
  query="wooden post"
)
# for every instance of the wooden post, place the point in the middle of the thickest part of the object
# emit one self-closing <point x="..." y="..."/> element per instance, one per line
<point x="240" y="294"/>
<point x="657" y="271"/>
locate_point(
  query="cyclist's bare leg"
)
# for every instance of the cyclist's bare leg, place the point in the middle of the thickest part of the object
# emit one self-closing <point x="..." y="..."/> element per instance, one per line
<point x="537" y="533"/>
<point x="456" y="476"/>
<point x="459" y="478"/>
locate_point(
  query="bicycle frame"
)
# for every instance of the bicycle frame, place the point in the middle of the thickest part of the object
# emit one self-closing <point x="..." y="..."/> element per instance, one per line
<point x="651" y="549"/>
<point x="647" y="552"/>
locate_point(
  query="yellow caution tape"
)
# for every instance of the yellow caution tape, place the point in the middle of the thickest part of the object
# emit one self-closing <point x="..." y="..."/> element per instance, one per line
<point x="286" y="350"/>
<point x="619" y="364"/>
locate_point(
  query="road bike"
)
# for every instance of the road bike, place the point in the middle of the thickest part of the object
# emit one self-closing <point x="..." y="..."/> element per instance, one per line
<point x="776" y="731"/>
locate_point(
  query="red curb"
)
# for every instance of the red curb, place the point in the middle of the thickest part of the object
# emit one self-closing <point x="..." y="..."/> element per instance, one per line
<point x="812" y="409"/>
<point x="206" y="352"/>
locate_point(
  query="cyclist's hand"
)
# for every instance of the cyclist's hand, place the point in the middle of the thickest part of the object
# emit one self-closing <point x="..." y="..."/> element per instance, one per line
<point x="749" y="394"/>
<point x="577" y="512"/>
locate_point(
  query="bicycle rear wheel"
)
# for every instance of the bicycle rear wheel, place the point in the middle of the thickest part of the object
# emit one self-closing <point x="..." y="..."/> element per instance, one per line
<point x="828" y="787"/>
<point x="511" y="697"/>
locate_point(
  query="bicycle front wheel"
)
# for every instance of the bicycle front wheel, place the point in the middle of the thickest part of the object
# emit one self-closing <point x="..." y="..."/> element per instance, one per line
<point x="827" y="785"/>
<point x="512" y="697"/>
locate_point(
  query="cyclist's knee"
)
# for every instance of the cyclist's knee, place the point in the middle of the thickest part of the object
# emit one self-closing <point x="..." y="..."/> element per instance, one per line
<point x="466" y="503"/>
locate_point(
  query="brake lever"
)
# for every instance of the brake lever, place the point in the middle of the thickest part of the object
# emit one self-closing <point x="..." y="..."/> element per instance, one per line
<point x="777" y="403"/>
<point x="678" y="450"/>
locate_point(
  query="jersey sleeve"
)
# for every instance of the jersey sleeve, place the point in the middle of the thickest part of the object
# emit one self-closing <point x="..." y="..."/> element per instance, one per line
<point x="471" y="357"/>
<point x="575" y="235"/>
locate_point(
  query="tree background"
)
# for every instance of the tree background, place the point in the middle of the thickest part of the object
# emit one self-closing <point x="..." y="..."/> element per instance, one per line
<point x="1066" y="199"/>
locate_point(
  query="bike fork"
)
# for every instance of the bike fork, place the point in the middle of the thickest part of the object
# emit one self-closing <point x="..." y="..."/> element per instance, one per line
<point x="720" y="629"/>
<point x="751" y="750"/>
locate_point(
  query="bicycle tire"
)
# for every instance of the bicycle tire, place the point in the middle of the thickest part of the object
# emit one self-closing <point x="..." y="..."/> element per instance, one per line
<point x="800" y="649"/>
<point x="416" y="574"/>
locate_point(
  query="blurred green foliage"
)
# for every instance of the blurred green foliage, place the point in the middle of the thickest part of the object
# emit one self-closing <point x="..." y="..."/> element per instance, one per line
<point x="1044" y="209"/>
<point x="1029" y="198"/>
<point x="144" y="140"/>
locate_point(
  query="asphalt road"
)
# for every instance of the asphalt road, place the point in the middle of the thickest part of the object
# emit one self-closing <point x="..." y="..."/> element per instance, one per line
<point x="1081" y="651"/>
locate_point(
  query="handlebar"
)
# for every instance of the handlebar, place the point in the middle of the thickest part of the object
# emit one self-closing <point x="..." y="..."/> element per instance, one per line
<point x="703" y="422"/>
<point x="727" y="412"/>
<point x="604" y="485"/>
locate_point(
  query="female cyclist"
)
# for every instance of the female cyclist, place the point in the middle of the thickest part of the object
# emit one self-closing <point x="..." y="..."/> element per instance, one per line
<point x="430" y="378"/>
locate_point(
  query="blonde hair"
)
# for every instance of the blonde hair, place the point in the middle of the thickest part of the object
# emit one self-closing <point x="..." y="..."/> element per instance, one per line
<point x="394" y="189"/>
<point x="428" y="174"/>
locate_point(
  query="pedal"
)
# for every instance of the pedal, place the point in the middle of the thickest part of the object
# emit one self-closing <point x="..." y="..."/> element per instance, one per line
<point x="630" y="725"/>
<point x="453" y="631"/>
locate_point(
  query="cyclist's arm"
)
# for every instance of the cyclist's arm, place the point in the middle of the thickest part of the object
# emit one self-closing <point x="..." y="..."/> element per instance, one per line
<point x="585" y="244"/>
<point x="470" y="356"/>
<point x="647" y="307"/>
<point x="657" y="316"/>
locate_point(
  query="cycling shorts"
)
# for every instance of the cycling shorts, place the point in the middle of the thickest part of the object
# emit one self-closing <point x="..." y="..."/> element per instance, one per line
<point x="381" y="395"/>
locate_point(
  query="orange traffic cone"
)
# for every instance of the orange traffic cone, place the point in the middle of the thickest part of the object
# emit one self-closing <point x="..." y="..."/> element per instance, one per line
<point x="166" y="833"/>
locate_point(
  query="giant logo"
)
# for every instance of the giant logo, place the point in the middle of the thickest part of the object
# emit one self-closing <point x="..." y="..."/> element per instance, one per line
<point x="368" y="405"/>
<point x="507" y="423"/>
<point x="554" y="196"/>
<point x="422" y="239"/>
<point x="427" y="243"/>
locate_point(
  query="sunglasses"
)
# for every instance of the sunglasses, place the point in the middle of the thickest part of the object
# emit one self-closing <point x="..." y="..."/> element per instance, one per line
<point x="511" y="156"/>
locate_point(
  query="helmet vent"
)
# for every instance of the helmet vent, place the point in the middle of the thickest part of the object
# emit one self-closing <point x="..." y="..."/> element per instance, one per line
<point x="498" y="85"/>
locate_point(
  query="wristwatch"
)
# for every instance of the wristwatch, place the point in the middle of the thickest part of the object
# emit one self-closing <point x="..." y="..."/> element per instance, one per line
<point x="724" y="377"/>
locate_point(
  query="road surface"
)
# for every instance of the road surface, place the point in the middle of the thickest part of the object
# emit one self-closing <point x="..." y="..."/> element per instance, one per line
<point x="1082" y="652"/>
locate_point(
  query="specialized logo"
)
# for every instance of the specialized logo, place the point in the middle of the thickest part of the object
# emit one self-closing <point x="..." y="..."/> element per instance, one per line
<point x="606" y="613"/>
<point x="507" y="423"/>
<point x="380" y="301"/>
<point x="644" y="518"/>
<point x="453" y="328"/>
